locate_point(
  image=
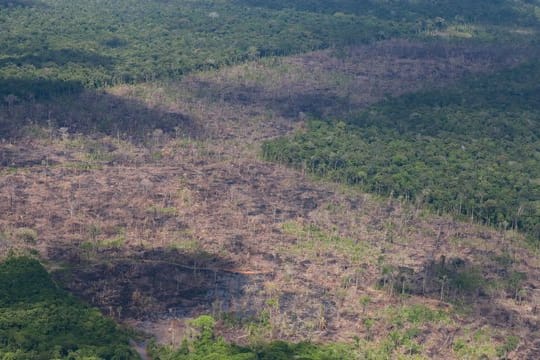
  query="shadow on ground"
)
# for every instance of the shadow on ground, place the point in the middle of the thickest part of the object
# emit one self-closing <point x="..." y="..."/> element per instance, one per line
<point x="57" y="104"/>
<point x="151" y="284"/>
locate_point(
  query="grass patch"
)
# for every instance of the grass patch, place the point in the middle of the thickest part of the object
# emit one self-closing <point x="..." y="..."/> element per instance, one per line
<point x="416" y="314"/>
<point x="205" y="344"/>
<point x="476" y="345"/>
<point x="316" y="241"/>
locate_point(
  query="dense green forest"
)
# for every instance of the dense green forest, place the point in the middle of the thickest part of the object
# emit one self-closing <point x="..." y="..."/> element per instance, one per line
<point x="98" y="43"/>
<point x="40" y="321"/>
<point x="481" y="11"/>
<point x="472" y="149"/>
<point x="51" y="47"/>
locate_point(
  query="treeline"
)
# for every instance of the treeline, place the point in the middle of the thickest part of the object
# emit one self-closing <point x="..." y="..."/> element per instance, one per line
<point x="472" y="150"/>
<point x="97" y="43"/>
<point x="480" y="11"/>
<point x="40" y="321"/>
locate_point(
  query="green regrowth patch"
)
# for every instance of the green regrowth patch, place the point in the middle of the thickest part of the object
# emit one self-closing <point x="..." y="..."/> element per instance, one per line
<point x="316" y="241"/>
<point x="470" y="150"/>
<point x="206" y="345"/>
<point x="483" y="344"/>
<point x="416" y="314"/>
<point x="40" y="321"/>
<point x="407" y="323"/>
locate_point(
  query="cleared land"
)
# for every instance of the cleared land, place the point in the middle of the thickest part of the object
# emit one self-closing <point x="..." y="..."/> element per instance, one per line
<point x="154" y="205"/>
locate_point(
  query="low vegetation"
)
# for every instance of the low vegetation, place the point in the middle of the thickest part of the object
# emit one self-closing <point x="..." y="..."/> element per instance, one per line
<point x="206" y="345"/>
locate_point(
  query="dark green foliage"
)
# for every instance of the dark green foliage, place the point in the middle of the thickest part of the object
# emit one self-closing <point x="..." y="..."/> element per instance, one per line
<point x="484" y="11"/>
<point x="102" y="42"/>
<point x="417" y="314"/>
<point x="18" y="3"/>
<point x="32" y="89"/>
<point x="471" y="150"/>
<point x="40" y="321"/>
<point x="95" y="43"/>
<point x="207" y="346"/>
